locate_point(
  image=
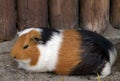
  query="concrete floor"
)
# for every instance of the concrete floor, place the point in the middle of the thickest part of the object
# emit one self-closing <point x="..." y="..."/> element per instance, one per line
<point x="10" y="72"/>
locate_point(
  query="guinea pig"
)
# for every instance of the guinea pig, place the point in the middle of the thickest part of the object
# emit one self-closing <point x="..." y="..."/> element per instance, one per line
<point x="65" y="52"/>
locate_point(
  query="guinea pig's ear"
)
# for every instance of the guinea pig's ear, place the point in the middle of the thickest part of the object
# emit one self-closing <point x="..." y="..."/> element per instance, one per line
<point x="19" y="33"/>
<point x="35" y="36"/>
<point x="37" y="40"/>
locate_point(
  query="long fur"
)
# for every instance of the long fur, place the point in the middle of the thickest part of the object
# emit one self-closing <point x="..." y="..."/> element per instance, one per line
<point x="68" y="52"/>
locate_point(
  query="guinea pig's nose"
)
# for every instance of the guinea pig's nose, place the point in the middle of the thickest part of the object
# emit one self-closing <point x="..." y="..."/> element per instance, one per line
<point x="14" y="57"/>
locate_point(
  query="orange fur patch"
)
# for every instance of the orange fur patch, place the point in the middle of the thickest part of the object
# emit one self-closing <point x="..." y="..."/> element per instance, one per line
<point x="70" y="51"/>
<point x="31" y="52"/>
<point x="30" y="37"/>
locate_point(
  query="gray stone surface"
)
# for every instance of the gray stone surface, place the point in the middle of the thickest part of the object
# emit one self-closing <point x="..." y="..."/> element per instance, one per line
<point x="5" y="47"/>
<point x="10" y="72"/>
<point x="113" y="35"/>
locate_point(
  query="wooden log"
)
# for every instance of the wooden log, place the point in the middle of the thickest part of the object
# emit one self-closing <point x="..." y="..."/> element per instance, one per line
<point x="32" y="13"/>
<point x="94" y="15"/>
<point x="115" y="13"/>
<point x="63" y="13"/>
<point x="7" y="20"/>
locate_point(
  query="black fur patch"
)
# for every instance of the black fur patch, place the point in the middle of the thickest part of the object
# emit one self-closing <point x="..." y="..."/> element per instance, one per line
<point x="47" y="33"/>
<point x="96" y="53"/>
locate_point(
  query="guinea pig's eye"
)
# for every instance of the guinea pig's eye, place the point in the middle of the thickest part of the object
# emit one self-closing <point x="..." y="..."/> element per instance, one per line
<point x="26" y="46"/>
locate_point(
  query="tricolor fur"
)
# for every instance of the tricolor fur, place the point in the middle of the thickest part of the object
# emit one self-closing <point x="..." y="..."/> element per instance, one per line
<point x="69" y="52"/>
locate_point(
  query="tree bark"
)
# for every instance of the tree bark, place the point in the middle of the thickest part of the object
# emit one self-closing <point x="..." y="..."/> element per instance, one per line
<point x="7" y="20"/>
<point x="94" y="15"/>
<point x="115" y="13"/>
<point x="32" y="13"/>
<point x="63" y="13"/>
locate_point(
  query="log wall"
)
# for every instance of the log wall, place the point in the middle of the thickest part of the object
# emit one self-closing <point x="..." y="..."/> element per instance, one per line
<point x="91" y="15"/>
<point x="115" y="13"/>
<point x="32" y="13"/>
<point x="63" y="13"/>
<point x="7" y="20"/>
<point x="94" y="15"/>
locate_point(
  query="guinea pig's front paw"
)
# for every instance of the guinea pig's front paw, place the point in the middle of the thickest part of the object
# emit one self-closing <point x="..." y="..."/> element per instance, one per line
<point x="21" y="65"/>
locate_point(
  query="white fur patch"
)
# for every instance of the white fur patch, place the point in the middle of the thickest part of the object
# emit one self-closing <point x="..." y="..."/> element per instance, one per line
<point x="113" y="55"/>
<point x="27" y="30"/>
<point x="48" y="55"/>
<point x="106" y="70"/>
<point x="23" y="63"/>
